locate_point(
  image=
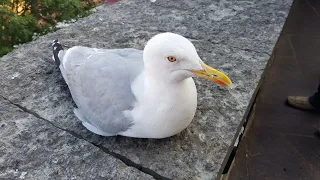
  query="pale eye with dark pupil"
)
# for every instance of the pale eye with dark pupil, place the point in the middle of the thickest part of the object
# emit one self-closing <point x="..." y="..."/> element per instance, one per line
<point x="171" y="58"/>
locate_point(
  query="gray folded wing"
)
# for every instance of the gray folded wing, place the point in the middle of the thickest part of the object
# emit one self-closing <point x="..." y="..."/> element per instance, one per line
<point x="100" y="83"/>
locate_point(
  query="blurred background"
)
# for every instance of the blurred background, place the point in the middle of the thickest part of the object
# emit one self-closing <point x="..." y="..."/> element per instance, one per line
<point x="23" y="20"/>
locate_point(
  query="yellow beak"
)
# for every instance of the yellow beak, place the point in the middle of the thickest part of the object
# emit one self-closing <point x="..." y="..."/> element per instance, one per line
<point x="213" y="75"/>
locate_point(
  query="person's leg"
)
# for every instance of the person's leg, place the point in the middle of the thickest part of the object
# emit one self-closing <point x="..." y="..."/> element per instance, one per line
<point x="305" y="102"/>
<point x="315" y="99"/>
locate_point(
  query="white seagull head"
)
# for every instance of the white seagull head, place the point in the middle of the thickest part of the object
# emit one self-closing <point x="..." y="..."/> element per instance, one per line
<point x="171" y="57"/>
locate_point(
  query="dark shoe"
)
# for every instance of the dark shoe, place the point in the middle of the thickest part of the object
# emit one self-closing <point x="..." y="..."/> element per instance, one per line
<point x="317" y="133"/>
<point x="300" y="102"/>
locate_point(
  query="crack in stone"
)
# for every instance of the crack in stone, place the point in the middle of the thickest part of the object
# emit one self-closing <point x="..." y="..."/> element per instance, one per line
<point x="122" y="158"/>
<point x="131" y="163"/>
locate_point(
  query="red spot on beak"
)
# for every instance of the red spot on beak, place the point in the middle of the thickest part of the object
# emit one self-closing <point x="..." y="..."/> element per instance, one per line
<point x="221" y="83"/>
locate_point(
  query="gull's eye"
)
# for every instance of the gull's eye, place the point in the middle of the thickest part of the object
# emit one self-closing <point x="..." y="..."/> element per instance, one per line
<point x="171" y="58"/>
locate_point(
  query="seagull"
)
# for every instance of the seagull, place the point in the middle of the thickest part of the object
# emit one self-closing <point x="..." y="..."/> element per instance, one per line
<point x="147" y="93"/>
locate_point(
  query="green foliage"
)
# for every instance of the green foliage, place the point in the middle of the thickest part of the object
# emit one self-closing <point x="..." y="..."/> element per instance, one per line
<point x="20" y="19"/>
<point x="15" y="29"/>
<point x="4" y="50"/>
<point x="58" y="10"/>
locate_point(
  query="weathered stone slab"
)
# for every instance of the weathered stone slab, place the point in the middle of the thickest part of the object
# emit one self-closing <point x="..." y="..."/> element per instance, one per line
<point x="31" y="148"/>
<point x="234" y="36"/>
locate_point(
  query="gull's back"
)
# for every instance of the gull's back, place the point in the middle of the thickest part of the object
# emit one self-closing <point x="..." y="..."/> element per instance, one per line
<point x="100" y="84"/>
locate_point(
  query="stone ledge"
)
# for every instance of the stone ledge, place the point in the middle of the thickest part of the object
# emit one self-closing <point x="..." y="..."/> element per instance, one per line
<point x="34" y="149"/>
<point x="236" y="37"/>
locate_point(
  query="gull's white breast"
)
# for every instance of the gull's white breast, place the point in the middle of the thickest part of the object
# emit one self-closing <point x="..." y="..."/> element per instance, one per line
<point x="162" y="110"/>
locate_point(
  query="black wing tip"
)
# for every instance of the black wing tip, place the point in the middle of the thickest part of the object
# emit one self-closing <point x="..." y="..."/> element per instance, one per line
<point x="56" y="48"/>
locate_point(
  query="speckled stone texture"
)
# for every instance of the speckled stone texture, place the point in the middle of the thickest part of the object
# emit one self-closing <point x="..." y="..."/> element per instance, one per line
<point x="236" y="37"/>
<point x="31" y="148"/>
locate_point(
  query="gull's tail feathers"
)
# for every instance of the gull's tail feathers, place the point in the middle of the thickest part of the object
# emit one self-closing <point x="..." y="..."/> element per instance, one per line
<point x="57" y="51"/>
<point x="58" y="57"/>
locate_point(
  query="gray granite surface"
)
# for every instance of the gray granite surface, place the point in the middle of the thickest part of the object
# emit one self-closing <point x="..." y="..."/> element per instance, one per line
<point x="41" y="138"/>
<point x="31" y="148"/>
